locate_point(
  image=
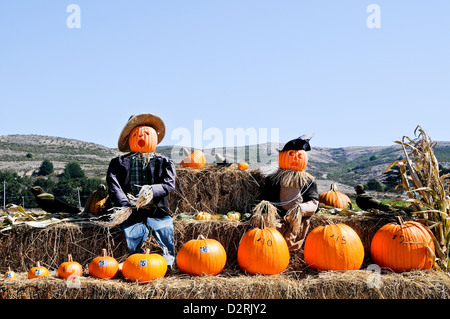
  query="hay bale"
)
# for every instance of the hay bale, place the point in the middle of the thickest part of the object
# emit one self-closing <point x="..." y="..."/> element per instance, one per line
<point x="215" y="189"/>
<point x="22" y="246"/>
<point x="353" y="284"/>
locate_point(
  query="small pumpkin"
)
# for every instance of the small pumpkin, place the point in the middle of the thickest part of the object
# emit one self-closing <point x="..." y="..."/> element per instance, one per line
<point x="10" y="275"/>
<point x="143" y="139"/>
<point x="334" y="247"/>
<point x="236" y="216"/>
<point x="201" y="257"/>
<point x="243" y="165"/>
<point x="144" y="267"/>
<point x="38" y="271"/>
<point x="403" y="246"/>
<point x="97" y="202"/>
<point x="202" y="216"/>
<point x="104" y="266"/>
<point x="335" y="198"/>
<point x="195" y="160"/>
<point x="296" y="160"/>
<point x="70" y="268"/>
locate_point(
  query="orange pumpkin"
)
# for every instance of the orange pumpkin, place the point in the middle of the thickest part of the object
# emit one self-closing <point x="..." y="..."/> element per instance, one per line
<point x="10" y="275"/>
<point x="335" y="198"/>
<point x="144" y="267"/>
<point x="38" y="271"/>
<point x="333" y="247"/>
<point x="243" y="165"/>
<point x="97" y="202"/>
<point x="103" y="267"/>
<point x="195" y="160"/>
<point x="263" y="251"/>
<point x="70" y="269"/>
<point x="296" y="160"/>
<point x="201" y="257"/>
<point x="143" y="139"/>
<point x="403" y="246"/>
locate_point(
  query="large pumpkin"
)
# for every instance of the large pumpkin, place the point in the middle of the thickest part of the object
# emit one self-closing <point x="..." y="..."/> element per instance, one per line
<point x="201" y="257"/>
<point x="70" y="269"/>
<point x="333" y="247"/>
<point x="403" y="246"/>
<point x="143" y="139"/>
<point x="335" y="198"/>
<point x="38" y="271"/>
<point x="97" y="202"/>
<point x="195" y="160"/>
<point x="144" y="267"/>
<point x="104" y="266"/>
<point x="296" y="160"/>
<point x="263" y="251"/>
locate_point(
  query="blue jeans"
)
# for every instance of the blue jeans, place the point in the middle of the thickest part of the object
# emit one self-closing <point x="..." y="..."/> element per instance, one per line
<point x="138" y="227"/>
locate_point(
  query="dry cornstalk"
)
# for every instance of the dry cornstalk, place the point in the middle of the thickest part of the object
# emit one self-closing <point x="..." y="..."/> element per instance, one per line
<point x="426" y="191"/>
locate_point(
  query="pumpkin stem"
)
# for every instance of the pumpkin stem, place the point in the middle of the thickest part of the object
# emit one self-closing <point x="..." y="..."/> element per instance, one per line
<point x="399" y="219"/>
<point x="104" y="254"/>
<point x="333" y="187"/>
<point x="201" y="237"/>
<point x="38" y="264"/>
<point x="69" y="258"/>
<point x="147" y="251"/>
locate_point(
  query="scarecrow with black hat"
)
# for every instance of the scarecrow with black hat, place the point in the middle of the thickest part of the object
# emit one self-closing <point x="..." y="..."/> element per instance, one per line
<point x="128" y="175"/>
<point x="293" y="191"/>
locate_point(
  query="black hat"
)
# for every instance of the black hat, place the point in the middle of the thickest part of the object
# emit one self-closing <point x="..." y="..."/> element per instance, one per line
<point x="300" y="143"/>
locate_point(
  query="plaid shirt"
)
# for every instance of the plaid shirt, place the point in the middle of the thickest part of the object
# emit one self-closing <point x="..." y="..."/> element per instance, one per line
<point x="139" y="173"/>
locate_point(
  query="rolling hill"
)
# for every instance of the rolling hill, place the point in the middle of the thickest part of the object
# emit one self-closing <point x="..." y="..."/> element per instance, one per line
<point x="23" y="154"/>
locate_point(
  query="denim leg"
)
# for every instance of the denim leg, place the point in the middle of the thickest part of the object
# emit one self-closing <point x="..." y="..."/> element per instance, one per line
<point x="136" y="233"/>
<point x="162" y="229"/>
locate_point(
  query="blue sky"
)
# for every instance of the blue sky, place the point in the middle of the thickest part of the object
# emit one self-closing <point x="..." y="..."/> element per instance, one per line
<point x="296" y="66"/>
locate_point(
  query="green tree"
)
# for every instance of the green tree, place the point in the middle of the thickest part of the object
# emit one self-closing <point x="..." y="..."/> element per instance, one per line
<point x="73" y="170"/>
<point x="374" y="185"/>
<point x="46" y="167"/>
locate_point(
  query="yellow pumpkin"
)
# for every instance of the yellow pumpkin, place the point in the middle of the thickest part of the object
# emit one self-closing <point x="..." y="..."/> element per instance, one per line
<point x="234" y="216"/>
<point x="202" y="216"/>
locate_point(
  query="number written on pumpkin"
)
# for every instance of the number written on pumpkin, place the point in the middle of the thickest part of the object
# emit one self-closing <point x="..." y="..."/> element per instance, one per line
<point x="38" y="272"/>
<point x="339" y="239"/>
<point x="402" y="238"/>
<point x="143" y="263"/>
<point x="263" y="242"/>
<point x="9" y="275"/>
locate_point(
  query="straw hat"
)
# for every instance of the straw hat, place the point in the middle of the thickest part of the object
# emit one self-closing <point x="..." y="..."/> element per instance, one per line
<point x="146" y="119"/>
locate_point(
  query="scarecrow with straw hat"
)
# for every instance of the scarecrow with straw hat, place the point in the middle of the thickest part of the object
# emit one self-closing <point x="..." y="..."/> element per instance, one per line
<point x="139" y="186"/>
<point x="293" y="191"/>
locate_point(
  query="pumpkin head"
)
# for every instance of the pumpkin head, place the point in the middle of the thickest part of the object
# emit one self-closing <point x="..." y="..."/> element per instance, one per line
<point x="143" y="139"/>
<point x="293" y="159"/>
<point x="201" y="257"/>
<point x="70" y="269"/>
<point x="202" y="216"/>
<point x="334" y="247"/>
<point x="335" y="198"/>
<point x="144" y="267"/>
<point x="9" y="275"/>
<point x="403" y="246"/>
<point x="38" y="271"/>
<point x="97" y="202"/>
<point x="195" y="160"/>
<point x="103" y="267"/>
